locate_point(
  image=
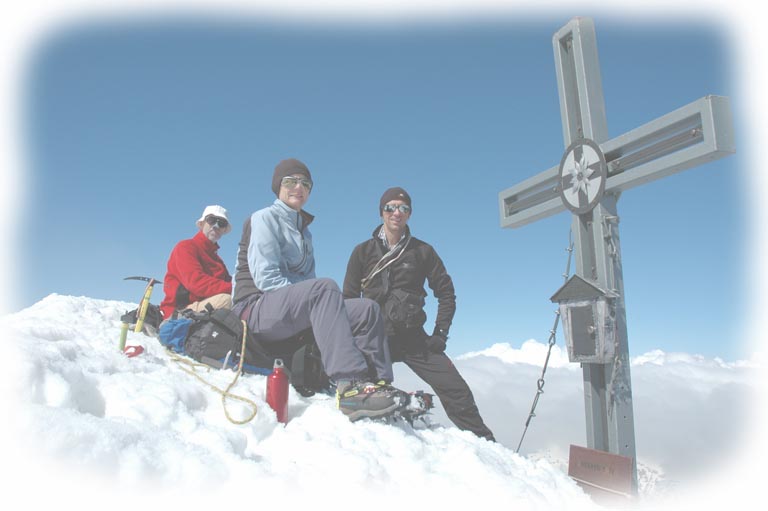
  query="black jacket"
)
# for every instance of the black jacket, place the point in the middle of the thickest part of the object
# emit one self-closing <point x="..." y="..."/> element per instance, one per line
<point x="418" y="263"/>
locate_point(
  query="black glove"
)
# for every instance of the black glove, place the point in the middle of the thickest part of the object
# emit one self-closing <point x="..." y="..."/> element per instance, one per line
<point x="436" y="342"/>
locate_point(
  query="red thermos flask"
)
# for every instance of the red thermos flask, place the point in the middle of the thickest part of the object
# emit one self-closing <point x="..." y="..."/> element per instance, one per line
<point x="277" y="391"/>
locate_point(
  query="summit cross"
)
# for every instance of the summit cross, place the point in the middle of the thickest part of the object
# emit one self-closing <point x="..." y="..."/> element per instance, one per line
<point x="592" y="173"/>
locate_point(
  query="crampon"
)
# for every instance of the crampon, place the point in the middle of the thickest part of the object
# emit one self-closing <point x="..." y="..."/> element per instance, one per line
<point x="418" y="406"/>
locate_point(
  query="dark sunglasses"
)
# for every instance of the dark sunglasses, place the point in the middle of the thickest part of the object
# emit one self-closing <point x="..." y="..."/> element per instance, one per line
<point x="291" y="182"/>
<point x="215" y="221"/>
<point x="404" y="208"/>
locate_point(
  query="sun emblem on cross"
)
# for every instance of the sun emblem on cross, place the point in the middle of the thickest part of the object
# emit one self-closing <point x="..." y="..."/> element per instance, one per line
<point x="582" y="176"/>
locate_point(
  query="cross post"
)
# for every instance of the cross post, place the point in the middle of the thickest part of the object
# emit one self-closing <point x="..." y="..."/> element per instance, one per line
<point x="588" y="182"/>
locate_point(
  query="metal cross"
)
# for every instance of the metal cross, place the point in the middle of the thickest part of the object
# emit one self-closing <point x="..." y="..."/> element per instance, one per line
<point x="588" y="182"/>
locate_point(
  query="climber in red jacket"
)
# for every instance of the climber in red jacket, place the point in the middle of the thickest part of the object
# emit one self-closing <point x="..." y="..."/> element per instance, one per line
<point x="196" y="274"/>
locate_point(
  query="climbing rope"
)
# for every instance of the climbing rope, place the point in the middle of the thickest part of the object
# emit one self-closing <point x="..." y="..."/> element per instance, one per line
<point x="191" y="367"/>
<point x="552" y="342"/>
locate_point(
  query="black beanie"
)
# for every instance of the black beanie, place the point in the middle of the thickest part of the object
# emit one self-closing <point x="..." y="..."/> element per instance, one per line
<point x="395" y="193"/>
<point x="288" y="167"/>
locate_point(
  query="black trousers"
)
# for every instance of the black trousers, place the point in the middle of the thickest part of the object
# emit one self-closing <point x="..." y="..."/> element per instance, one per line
<point x="438" y="371"/>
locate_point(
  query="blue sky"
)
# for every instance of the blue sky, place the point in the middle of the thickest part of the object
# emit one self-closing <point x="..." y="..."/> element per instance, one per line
<point x="132" y="126"/>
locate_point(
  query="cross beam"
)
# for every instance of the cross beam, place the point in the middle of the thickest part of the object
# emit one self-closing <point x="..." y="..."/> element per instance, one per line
<point x="689" y="136"/>
<point x="589" y="180"/>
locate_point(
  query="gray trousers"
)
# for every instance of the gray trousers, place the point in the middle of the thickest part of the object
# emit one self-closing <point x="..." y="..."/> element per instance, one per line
<point x="349" y="333"/>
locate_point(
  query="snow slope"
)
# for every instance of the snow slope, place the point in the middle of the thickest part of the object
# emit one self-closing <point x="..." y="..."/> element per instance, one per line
<point x="142" y="428"/>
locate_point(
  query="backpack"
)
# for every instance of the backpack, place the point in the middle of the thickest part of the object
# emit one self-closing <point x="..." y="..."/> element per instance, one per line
<point x="215" y="337"/>
<point x="305" y="366"/>
<point x="301" y="358"/>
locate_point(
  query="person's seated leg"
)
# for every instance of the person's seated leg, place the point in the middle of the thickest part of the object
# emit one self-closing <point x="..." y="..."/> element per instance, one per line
<point x="220" y="301"/>
<point x="318" y="304"/>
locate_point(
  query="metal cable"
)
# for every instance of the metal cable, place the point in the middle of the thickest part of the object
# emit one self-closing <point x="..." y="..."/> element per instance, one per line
<point x="552" y="341"/>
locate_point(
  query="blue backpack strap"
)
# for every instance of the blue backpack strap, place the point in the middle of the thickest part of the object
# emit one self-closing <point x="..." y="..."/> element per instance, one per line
<point x="173" y="333"/>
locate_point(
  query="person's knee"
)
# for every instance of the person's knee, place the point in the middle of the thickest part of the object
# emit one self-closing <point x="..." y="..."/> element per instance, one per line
<point x="222" y="301"/>
<point x="325" y="284"/>
<point x="365" y="309"/>
<point x="451" y="388"/>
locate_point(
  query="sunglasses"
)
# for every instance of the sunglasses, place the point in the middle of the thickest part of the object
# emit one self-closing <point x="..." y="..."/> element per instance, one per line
<point x="215" y="221"/>
<point x="291" y="182"/>
<point x="404" y="208"/>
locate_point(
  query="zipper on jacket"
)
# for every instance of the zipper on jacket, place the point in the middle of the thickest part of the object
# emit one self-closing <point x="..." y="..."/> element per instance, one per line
<point x="303" y="247"/>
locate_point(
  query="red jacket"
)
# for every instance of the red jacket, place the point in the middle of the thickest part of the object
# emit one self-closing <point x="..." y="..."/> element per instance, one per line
<point x="195" y="272"/>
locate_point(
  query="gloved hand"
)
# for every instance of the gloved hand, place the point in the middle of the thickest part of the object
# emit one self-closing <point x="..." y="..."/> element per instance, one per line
<point x="436" y="343"/>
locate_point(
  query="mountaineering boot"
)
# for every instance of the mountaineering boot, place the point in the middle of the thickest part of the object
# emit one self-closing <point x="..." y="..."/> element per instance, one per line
<point x="359" y="400"/>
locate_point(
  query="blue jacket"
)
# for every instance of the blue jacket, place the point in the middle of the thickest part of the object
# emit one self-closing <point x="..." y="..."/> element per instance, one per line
<point x="275" y="250"/>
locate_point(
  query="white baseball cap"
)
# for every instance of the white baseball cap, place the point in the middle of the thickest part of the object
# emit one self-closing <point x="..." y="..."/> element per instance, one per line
<point x="216" y="211"/>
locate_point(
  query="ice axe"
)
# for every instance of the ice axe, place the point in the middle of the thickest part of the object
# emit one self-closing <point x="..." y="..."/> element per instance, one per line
<point x="142" y="312"/>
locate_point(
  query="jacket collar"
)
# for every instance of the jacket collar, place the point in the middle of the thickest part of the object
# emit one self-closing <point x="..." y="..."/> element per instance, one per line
<point x="377" y="232"/>
<point x="290" y="214"/>
<point x="203" y="242"/>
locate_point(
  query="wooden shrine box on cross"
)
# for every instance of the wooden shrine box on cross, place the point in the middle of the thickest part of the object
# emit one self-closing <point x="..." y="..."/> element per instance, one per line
<point x="588" y="313"/>
<point x="593" y="172"/>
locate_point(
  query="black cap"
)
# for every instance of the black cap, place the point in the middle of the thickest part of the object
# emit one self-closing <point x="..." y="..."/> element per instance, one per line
<point x="395" y="193"/>
<point x="288" y="167"/>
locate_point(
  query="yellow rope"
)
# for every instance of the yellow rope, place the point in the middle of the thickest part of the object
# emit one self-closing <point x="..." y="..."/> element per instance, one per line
<point x="182" y="362"/>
